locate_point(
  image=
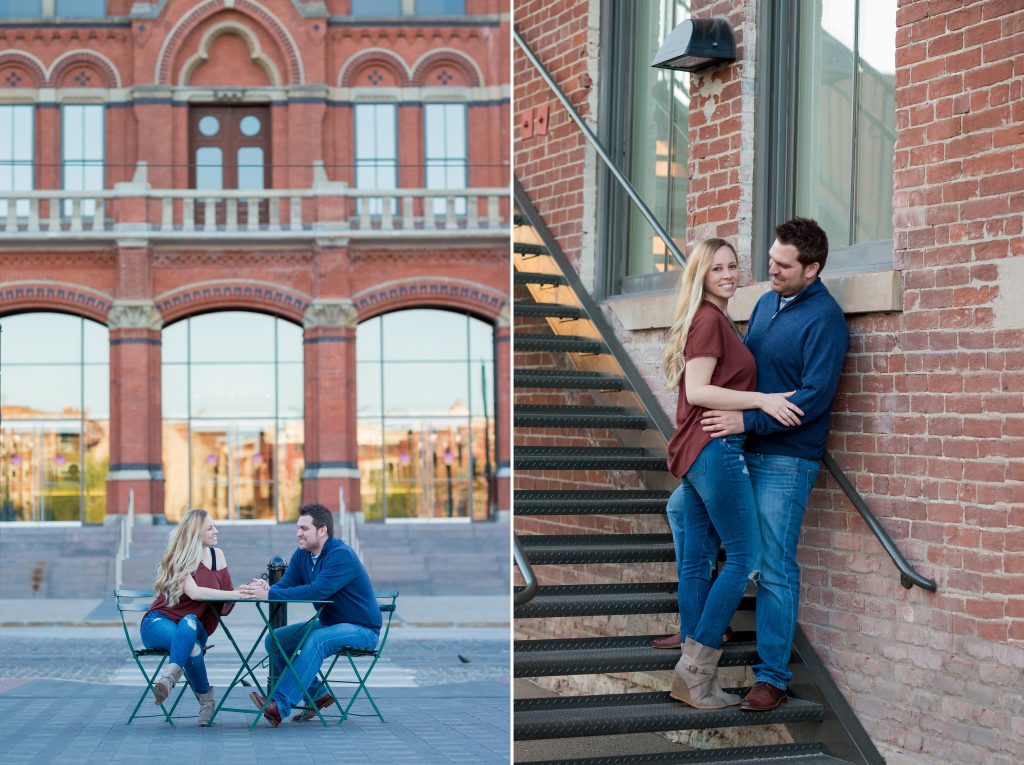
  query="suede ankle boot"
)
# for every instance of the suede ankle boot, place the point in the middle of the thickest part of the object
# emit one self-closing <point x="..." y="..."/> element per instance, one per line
<point x="695" y="681"/>
<point x="167" y="680"/>
<point x="207" y="703"/>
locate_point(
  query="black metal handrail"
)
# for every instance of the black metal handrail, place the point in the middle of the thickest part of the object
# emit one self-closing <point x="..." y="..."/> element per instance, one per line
<point x="626" y="185"/>
<point x="528" y="593"/>
<point x="908" y="575"/>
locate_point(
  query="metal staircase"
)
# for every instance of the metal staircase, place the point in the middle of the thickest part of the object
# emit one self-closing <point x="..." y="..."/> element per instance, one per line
<point x="573" y="395"/>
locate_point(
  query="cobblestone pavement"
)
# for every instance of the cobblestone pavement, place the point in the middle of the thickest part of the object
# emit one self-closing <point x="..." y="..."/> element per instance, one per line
<point x="65" y="694"/>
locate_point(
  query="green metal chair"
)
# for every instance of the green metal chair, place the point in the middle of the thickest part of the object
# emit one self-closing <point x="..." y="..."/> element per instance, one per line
<point x="138" y="601"/>
<point x="387" y="602"/>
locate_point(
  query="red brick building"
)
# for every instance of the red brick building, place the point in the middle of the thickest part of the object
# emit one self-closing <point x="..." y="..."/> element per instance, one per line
<point x="254" y="253"/>
<point x="900" y="127"/>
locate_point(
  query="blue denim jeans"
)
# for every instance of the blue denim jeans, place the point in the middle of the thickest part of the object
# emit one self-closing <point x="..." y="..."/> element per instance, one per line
<point x="181" y="639"/>
<point x="714" y="505"/>
<point x="781" y="488"/>
<point x="322" y="642"/>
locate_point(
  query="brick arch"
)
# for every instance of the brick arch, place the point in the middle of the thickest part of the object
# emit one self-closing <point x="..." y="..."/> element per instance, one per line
<point x="352" y="67"/>
<point x="188" y="23"/>
<point x="62" y="297"/>
<point x="232" y="294"/>
<point x="417" y="292"/>
<point x="28" y="62"/>
<point x="454" y="58"/>
<point x="87" y="58"/>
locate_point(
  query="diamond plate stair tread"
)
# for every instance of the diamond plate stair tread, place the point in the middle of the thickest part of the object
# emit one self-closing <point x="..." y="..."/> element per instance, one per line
<point x="533" y="277"/>
<point x="548" y="549"/>
<point x="622" y="713"/>
<point x="529" y="249"/>
<point x="770" y="754"/>
<point x="606" y="599"/>
<point x="559" y="378"/>
<point x="554" y="310"/>
<point x="589" y="502"/>
<point x="555" y="343"/>
<point x="584" y="656"/>
<point x="544" y="416"/>
<point x="586" y="458"/>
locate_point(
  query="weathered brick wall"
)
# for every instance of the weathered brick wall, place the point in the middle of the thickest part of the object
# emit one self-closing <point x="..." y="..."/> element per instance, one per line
<point x="929" y="420"/>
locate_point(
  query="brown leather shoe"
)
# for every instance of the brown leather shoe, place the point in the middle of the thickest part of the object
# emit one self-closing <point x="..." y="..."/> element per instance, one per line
<point x="270" y="713"/>
<point x="673" y="642"/>
<point x="308" y="714"/>
<point x="762" y="697"/>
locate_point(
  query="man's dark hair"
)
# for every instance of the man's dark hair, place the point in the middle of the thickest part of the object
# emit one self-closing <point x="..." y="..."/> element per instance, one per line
<point x="322" y="517"/>
<point x="808" y="237"/>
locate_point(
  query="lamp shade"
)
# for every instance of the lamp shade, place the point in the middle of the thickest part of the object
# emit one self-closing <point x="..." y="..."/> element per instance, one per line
<point x="697" y="44"/>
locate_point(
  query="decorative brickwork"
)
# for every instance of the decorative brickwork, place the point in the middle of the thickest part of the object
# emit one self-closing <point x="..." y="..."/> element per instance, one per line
<point x="20" y="70"/>
<point x="247" y="296"/>
<point x="65" y="71"/>
<point x="352" y="71"/>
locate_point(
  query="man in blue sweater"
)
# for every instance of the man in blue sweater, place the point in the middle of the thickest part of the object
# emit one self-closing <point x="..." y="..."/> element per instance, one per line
<point x="322" y="568"/>
<point x="797" y="333"/>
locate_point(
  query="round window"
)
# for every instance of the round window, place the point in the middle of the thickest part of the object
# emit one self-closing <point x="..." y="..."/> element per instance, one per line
<point x="209" y="125"/>
<point x="249" y="125"/>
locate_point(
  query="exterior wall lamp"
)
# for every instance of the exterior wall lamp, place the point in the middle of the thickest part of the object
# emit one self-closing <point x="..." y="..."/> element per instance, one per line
<point x="697" y="44"/>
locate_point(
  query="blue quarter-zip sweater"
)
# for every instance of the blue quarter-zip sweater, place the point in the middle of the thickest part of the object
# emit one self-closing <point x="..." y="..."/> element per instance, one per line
<point x="800" y="347"/>
<point x="339" y="576"/>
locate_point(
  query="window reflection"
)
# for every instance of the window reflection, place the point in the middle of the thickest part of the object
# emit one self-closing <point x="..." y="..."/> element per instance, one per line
<point x="233" y="409"/>
<point x="426" y="447"/>
<point x="55" y="436"/>
<point x="376" y="151"/>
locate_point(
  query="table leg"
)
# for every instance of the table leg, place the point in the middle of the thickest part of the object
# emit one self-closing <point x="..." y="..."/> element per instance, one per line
<point x="245" y="668"/>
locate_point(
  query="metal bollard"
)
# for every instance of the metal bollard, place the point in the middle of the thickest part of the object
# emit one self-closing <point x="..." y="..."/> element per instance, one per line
<point x="278" y="611"/>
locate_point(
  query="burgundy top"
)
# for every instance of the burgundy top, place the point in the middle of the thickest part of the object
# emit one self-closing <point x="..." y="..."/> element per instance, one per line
<point x="711" y="334"/>
<point x="216" y="579"/>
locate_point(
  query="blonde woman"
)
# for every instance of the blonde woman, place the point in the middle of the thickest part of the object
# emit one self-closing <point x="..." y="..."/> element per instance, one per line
<point x="707" y="360"/>
<point x="191" y="572"/>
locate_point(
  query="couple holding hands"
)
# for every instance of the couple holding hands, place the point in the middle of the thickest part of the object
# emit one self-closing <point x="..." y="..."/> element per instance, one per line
<point x="193" y="571"/>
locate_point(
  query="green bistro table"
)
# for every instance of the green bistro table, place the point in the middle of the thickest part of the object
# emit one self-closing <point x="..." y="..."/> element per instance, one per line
<point x="246" y="669"/>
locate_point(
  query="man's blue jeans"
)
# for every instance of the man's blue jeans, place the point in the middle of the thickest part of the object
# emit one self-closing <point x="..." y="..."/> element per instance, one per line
<point x="181" y="639"/>
<point x="714" y="505"/>
<point x="781" y="488"/>
<point x="322" y="642"/>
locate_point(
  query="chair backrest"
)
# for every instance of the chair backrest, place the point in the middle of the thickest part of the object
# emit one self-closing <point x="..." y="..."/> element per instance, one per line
<point x="387" y="602"/>
<point x="129" y="601"/>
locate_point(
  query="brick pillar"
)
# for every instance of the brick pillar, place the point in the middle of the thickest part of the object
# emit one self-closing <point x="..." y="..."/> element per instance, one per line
<point x="135" y="417"/>
<point x="331" y="450"/>
<point x="502" y="410"/>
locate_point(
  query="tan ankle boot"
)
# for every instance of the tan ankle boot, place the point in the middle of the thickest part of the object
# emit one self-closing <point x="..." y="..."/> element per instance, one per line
<point x="207" y="703"/>
<point x="167" y="680"/>
<point x="695" y="681"/>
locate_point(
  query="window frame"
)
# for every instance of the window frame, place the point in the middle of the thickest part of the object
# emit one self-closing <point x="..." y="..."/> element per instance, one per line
<point x="460" y="202"/>
<point x="378" y="208"/>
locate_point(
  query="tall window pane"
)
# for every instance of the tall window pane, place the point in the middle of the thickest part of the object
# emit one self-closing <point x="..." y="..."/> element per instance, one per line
<point x="233" y="416"/>
<point x="83" y="139"/>
<point x="445" y="132"/>
<point x="376" y="150"/>
<point x="55" y="436"/>
<point x="846" y="118"/>
<point x="426" y="416"/>
<point x="17" y="152"/>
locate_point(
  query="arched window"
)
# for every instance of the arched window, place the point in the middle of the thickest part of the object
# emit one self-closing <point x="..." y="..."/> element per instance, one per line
<point x="426" y="416"/>
<point x="233" y="416"/>
<point x="55" y="402"/>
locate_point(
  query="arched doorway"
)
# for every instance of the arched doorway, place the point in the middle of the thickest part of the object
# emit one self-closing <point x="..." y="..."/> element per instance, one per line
<point x="232" y="398"/>
<point x="425" y="382"/>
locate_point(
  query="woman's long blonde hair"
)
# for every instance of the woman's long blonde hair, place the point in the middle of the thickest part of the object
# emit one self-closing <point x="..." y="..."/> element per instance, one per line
<point x="691" y="295"/>
<point x="183" y="555"/>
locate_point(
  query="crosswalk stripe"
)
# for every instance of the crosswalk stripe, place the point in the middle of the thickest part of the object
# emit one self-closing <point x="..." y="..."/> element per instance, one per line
<point x="383" y="676"/>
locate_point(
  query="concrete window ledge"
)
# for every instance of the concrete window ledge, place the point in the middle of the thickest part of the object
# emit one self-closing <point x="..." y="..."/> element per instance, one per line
<point x="877" y="292"/>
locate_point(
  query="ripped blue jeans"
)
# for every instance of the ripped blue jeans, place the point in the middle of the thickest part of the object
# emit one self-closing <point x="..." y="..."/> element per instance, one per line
<point x="184" y="639"/>
<point x="717" y="502"/>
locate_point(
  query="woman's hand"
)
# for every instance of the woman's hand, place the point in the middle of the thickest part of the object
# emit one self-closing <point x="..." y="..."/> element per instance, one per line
<point x="777" y="405"/>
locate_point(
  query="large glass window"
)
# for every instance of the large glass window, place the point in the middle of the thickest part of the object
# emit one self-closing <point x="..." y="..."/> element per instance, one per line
<point x="83" y="139"/>
<point x="445" y="132"/>
<point x="233" y="416"/>
<point x="376" y="150"/>
<point x="646" y="115"/>
<point x="846" y="118"/>
<point x="55" y="401"/>
<point x="425" y="383"/>
<point x="17" y="152"/>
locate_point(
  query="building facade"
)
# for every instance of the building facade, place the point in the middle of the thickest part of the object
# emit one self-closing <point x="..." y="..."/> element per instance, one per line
<point x="900" y="128"/>
<point x="254" y="254"/>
